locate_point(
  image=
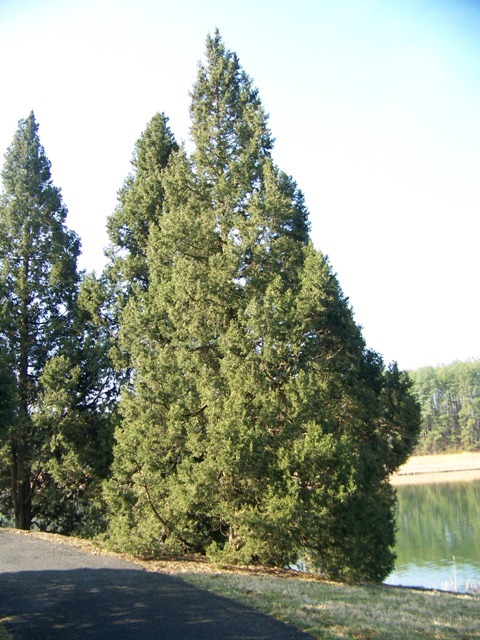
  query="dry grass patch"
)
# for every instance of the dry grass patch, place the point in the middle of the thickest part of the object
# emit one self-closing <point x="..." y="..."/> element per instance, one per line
<point x="442" y="462"/>
<point x="445" y="467"/>
<point x="337" y="611"/>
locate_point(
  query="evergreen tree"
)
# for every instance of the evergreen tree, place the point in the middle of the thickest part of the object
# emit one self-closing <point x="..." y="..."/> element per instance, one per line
<point x="259" y="428"/>
<point x="140" y="206"/>
<point x="140" y="202"/>
<point x="76" y="414"/>
<point x="39" y="337"/>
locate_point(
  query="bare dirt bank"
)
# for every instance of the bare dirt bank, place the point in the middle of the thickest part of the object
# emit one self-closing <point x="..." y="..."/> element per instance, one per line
<point x="449" y="467"/>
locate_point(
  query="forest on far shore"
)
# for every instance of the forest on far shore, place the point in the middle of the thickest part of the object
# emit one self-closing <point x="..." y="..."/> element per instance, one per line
<point x="449" y="396"/>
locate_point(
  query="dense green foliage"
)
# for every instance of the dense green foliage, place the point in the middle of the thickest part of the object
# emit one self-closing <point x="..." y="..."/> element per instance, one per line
<point x="450" y="400"/>
<point x="256" y="425"/>
<point x="49" y="423"/>
<point x="140" y="206"/>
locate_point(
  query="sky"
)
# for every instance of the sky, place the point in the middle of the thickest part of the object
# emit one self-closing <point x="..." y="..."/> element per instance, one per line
<point x="374" y="105"/>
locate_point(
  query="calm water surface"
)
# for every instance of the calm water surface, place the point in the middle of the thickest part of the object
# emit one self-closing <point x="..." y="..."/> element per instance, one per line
<point x="438" y="538"/>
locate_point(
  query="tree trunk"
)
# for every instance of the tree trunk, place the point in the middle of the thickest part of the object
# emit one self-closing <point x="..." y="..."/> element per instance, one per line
<point x="21" y="489"/>
<point x="21" y="472"/>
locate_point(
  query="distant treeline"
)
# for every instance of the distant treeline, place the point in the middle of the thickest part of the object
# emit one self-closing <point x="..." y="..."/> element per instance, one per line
<point x="450" y="400"/>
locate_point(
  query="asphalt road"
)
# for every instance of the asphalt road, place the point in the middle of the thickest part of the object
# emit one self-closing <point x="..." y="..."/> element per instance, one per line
<point x="52" y="591"/>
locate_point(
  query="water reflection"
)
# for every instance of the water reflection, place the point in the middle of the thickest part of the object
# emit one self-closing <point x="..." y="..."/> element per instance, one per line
<point x="438" y="538"/>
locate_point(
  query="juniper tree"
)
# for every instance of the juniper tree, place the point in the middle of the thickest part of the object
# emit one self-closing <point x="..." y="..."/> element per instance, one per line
<point x="258" y="421"/>
<point x="140" y="206"/>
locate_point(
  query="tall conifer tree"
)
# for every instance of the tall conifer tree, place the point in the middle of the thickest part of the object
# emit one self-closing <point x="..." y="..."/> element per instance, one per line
<point x="258" y="421"/>
<point x="140" y="204"/>
<point x="140" y="207"/>
<point x="38" y="285"/>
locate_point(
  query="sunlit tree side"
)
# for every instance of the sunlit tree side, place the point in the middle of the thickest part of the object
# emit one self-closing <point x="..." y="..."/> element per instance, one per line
<point x="139" y="209"/>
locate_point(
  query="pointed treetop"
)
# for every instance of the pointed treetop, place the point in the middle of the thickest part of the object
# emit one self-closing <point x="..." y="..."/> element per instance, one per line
<point x="155" y="145"/>
<point x="28" y="155"/>
<point x="140" y="203"/>
<point x="226" y="111"/>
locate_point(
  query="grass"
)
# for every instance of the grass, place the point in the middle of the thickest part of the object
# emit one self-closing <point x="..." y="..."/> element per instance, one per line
<point x="336" y="611"/>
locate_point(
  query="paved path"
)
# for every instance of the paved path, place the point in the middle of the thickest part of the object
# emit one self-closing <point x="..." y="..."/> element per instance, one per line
<point x="55" y="592"/>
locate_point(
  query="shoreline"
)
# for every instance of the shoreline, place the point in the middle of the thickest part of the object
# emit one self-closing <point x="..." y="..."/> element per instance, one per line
<point x="447" y="467"/>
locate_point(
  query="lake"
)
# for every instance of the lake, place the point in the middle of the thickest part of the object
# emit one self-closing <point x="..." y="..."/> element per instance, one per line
<point x="438" y="537"/>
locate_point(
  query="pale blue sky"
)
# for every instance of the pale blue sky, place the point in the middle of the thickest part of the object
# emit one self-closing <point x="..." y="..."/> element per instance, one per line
<point x="375" y="107"/>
